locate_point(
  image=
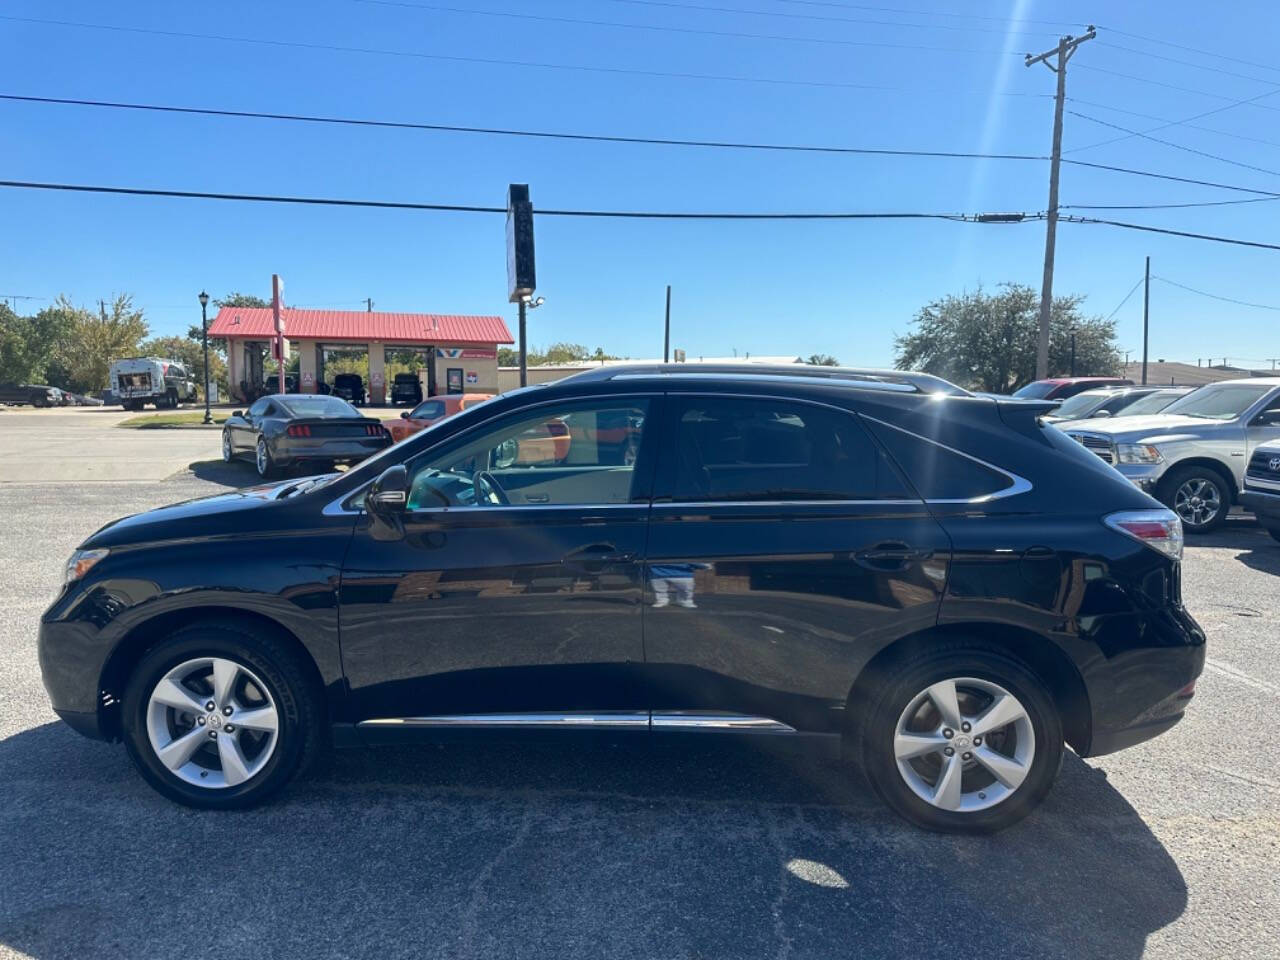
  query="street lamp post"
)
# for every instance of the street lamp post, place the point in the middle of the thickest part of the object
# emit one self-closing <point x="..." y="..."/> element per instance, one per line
<point x="204" y="336"/>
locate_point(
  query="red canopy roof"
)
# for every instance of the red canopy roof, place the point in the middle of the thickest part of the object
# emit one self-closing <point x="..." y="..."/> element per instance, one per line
<point x="255" y="323"/>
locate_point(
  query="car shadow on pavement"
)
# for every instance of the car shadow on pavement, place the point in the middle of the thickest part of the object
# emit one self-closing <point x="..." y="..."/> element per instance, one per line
<point x="234" y="474"/>
<point x="491" y="849"/>
<point x="1257" y="548"/>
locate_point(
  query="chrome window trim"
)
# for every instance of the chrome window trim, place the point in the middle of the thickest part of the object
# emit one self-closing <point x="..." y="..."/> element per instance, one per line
<point x="1019" y="485"/>
<point x="619" y="719"/>
<point x="703" y="504"/>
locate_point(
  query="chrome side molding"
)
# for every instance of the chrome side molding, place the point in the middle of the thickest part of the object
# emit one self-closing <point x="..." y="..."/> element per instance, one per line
<point x="665" y="720"/>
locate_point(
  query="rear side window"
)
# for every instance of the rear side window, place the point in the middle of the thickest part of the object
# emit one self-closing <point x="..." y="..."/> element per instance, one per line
<point x="937" y="472"/>
<point x="730" y="449"/>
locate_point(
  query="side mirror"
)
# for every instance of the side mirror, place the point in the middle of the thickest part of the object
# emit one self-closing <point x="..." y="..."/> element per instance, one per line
<point x="237" y="413"/>
<point x="404" y="414"/>
<point x="390" y="492"/>
<point x="1267" y="418"/>
<point x="1102" y="413"/>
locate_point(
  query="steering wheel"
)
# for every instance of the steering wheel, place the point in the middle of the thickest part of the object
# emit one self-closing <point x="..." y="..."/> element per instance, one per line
<point x="487" y="488"/>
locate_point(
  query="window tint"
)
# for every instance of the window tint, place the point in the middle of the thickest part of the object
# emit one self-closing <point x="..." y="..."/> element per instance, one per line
<point x="428" y="410"/>
<point x="936" y="472"/>
<point x="581" y="453"/>
<point x="733" y="449"/>
<point x="259" y="407"/>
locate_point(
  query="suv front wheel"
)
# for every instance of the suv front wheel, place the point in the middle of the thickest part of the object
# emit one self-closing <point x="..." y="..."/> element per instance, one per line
<point x="962" y="739"/>
<point x="1198" y="495"/>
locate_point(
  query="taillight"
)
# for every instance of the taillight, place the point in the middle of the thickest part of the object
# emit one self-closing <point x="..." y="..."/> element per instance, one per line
<point x="373" y="430"/>
<point x="299" y="430"/>
<point x="1158" y="529"/>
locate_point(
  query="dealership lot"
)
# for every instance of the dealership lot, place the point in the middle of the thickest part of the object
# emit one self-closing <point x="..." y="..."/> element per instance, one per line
<point x="491" y="850"/>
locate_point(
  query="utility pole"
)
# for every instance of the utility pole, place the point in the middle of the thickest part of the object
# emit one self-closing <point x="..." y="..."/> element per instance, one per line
<point x="1073" y="353"/>
<point x="666" y="336"/>
<point x="1065" y="48"/>
<point x="368" y="304"/>
<point x="1146" y="316"/>
<point x="524" y="353"/>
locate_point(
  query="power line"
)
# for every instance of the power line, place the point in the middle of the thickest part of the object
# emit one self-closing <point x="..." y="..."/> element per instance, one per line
<point x="737" y="11"/>
<point x="486" y="61"/>
<point x="928" y="13"/>
<point x="1165" y="206"/>
<point x="1173" y="86"/>
<point x="1206" y="53"/>
<point x="508" y="132"/>
<point x="1165" y="122"/>
<point x="1214" y="296"/>
<point x="462" y="208"/>
<point x="1131" y="292"/>
<point x="658" y="28"/>
<point x="1247" y="101"/>
<point x="1175" y="233"/>
<point x="1170" y="143"/>
<point x="1168" y="176"/>
<point x="1187" y="63"/>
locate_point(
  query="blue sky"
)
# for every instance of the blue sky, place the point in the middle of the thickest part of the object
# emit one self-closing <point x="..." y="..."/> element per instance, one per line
<point x="867" y="75"/>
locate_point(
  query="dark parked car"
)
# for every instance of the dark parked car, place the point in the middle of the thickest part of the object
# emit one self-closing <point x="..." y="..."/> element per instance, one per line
<point x="349" y="386"/>
<point x="406" y="388"/>
<point x="935" y="583"/>
<point x="281" y="430"/>
<point x="35" y="394"/>
<point x="1060" y="388"/>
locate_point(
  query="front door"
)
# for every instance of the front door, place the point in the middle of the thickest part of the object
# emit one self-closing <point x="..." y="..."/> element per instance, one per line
<point x="516" y="587"/>
<point x="784" y="550"/>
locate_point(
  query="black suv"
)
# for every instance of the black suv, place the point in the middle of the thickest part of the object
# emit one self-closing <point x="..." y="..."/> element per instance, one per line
<point x="937" y="584"/>
<point x="350" y="387"/>
<point x="406" y="388"/>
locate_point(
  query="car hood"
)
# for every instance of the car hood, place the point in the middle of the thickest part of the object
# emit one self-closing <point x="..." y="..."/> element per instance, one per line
<point x="1131" y="429"/>
<point x="219" y="515"/>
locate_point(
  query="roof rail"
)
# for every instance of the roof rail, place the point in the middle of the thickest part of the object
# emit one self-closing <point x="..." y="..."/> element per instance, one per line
<point x="902" y="380"/>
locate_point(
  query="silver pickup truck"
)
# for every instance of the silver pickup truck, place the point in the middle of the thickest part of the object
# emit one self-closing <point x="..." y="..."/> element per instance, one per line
<point x="1192" y="456"/>
<point x="1262" y="486"/>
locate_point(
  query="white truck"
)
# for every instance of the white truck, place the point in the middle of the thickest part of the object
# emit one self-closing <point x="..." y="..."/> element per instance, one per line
<point x="137" y="381"/>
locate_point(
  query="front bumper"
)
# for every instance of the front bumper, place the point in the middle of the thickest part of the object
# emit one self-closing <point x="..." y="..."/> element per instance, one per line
<point x="1265" y="506"/>
<point x="1144" y="476"/>
<point x="72" y="658"/>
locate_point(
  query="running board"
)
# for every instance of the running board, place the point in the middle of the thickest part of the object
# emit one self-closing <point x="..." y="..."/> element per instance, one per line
<point x="664" y="720"/>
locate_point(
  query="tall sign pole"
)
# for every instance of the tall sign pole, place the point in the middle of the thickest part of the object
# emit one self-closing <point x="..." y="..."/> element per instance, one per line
<point x="521" y="278"/>
<point x="1063" y="51"/>
<point x="666" y="334"/>
<point x="277" y="314"/>
<point x="1146" y="316"/>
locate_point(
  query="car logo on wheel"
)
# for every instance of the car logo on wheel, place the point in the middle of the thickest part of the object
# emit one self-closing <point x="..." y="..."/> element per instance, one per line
<point x="1274" y="464"/>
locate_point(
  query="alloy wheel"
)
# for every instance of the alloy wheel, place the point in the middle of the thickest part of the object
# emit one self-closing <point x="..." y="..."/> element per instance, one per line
<point x="1197" y="501"/>
<point x="263" y="459"/>
<point x="964" y="744"/>
<point x="212" y="722"/>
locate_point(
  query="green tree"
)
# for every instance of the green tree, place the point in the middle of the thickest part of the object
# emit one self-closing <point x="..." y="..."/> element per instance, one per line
<point x="33" y="349"/>
<point x="822" y="360"/>
<point x="236" y="299"/>
<point x="988" y="341"/>
<point x="90" y="340"/>
<point x="556" y="354"/>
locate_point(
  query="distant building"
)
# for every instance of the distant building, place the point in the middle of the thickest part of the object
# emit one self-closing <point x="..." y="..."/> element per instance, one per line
<point x="1171" y="373"/>
<point x="457" y="354"/>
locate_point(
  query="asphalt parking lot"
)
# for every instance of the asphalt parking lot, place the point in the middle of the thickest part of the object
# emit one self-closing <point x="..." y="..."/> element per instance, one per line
<point x="1171" y="849"/>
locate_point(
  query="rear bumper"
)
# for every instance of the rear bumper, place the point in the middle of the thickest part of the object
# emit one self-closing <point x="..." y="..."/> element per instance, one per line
<point x="289" y="449"/>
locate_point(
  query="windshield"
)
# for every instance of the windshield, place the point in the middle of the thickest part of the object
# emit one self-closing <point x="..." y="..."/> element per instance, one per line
<point x="1036" y="390"/>
<point x="1152" y="403"/>
<point x="319" y="406"/>
<point x="1218" y="401"/>
<point x="428" y="410"/>
<point x="1081" y="404"/>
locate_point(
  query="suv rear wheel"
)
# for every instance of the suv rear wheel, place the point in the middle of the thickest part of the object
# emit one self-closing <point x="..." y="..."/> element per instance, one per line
<point x="220" y="716"/>
<point x="1198" y="495"/>
<point x="962" y="739"/>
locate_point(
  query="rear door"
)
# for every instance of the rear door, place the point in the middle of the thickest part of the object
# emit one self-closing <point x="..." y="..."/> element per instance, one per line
<point x="784" y="550"/>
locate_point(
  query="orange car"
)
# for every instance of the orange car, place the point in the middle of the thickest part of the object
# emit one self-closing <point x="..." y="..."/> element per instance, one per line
<point x="429" y="411"/>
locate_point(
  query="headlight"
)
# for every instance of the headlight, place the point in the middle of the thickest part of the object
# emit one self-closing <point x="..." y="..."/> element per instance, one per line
<point x="80" y="563"/>
<point x="1138" y="453"/>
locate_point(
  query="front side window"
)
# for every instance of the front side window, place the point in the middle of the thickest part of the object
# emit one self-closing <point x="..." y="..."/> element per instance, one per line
<point x="428" y="410"/>
<point x="560" y="455"/>
<point x="1081" y="405"/>
<point x="259" y="407"/>
<point x="729" y="449"/>
<point x="1151" y="403"/>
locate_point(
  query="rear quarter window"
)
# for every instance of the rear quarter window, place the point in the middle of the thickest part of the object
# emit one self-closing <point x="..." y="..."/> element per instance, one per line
<point x="937" y="472"/>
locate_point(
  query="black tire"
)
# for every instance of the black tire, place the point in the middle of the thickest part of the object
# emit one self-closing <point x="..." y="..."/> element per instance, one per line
<point x="1177" y="478"/>
<point x="300" y="736"/>
<point x="875" y="730"/>
<point x="267" y="468"/>
<point x="172" y="398"/>
<point x="228" y="448"/>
